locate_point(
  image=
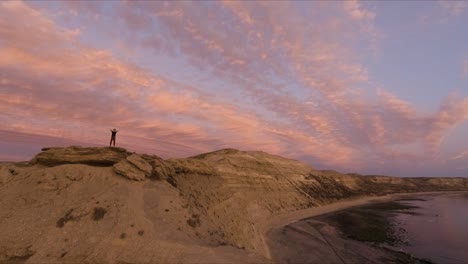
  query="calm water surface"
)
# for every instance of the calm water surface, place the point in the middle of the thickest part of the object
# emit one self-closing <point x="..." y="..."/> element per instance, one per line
<point x="440" y="230"/>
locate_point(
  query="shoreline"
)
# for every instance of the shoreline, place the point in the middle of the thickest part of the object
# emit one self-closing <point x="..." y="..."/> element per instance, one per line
<point x="278" y="222"/>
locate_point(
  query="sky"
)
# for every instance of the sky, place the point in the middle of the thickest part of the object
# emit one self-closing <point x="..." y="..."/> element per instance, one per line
<point x="372" y="87"/>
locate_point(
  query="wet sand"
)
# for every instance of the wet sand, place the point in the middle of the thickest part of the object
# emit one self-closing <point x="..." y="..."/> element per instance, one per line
<point x="311" y="241"/>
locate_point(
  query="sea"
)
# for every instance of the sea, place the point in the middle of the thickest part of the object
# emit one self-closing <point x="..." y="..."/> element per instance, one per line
<point x="438" y="229"/>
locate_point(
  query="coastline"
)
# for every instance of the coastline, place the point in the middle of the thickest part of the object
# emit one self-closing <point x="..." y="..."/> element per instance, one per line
<point x="220" y="207"/>
<point x="274" y="228"/>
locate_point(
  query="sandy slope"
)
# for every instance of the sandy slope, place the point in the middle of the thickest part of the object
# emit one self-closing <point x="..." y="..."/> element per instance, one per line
<point x="72" y="205"/>
<point x="50" y="215"/>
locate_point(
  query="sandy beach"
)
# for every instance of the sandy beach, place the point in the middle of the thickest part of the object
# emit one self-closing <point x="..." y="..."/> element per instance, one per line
<point x="299" y="237"/>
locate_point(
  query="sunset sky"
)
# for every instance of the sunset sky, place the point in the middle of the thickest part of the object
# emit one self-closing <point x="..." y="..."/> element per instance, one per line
<point x="367" y="87"/>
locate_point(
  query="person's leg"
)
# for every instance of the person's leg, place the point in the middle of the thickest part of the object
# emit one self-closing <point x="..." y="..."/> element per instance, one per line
<point x="114" y="142"/>
<point x="110" y="143"/>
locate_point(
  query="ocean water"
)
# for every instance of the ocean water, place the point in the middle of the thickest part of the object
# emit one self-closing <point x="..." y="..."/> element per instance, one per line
<point x="439" y="229"/>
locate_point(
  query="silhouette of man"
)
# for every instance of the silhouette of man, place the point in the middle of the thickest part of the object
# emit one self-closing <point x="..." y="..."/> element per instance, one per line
<point x="114" y="133"/>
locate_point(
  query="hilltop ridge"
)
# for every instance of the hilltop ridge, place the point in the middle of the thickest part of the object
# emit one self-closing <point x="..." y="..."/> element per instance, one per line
<point x="108" y="205"/>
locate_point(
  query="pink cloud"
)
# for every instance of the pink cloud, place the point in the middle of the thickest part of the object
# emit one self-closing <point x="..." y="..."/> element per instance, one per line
<point x="460" y="155"/>
<point x="100" y="76"/>
<point x="289" y="83"/>
<point x="355" y="10"/>
<point x="455" y="8"/>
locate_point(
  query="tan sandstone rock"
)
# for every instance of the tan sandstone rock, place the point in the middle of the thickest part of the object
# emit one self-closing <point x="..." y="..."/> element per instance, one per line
<point x="80" y="155"/>
<point x="140" y="163"/>
<point x="162" y="170"/>
<point x="134" y="168"/>
<point x="5" y="174"/>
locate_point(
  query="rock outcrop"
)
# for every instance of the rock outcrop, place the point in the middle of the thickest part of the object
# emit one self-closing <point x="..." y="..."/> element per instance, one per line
<point x="78" y="155"/>
<point x="161" y="169"/>
<point x="6" y="173"/>
<point x="134" y="168"/>
<point x="131" y="166"/>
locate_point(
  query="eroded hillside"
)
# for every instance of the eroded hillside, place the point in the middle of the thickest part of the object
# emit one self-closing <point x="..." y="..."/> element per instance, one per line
<point x="108" y="205"/>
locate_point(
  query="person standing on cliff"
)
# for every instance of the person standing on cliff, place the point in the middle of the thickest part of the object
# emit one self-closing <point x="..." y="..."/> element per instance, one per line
<point x="114" y="133"/>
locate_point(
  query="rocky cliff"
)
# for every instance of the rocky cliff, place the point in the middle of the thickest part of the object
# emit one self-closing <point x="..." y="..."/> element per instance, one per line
<point x="110" y="206"/>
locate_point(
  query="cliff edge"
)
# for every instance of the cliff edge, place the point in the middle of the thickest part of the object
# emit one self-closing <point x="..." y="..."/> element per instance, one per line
<point x="107" y="205"/>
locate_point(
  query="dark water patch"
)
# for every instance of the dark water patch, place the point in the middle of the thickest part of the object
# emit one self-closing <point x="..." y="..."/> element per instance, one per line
<point x="413" y="229"/>
<point x="365" y="225"/>
<point x="428" y="229"/>
<point x="403" y="258"/>
<point x="372" y="223"/>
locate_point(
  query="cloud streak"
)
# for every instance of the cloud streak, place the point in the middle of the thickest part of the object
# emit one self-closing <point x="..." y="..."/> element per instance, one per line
<point x="460" y="155"/>
<point x="454" y="8"/>
<point x="276" y="76"/>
